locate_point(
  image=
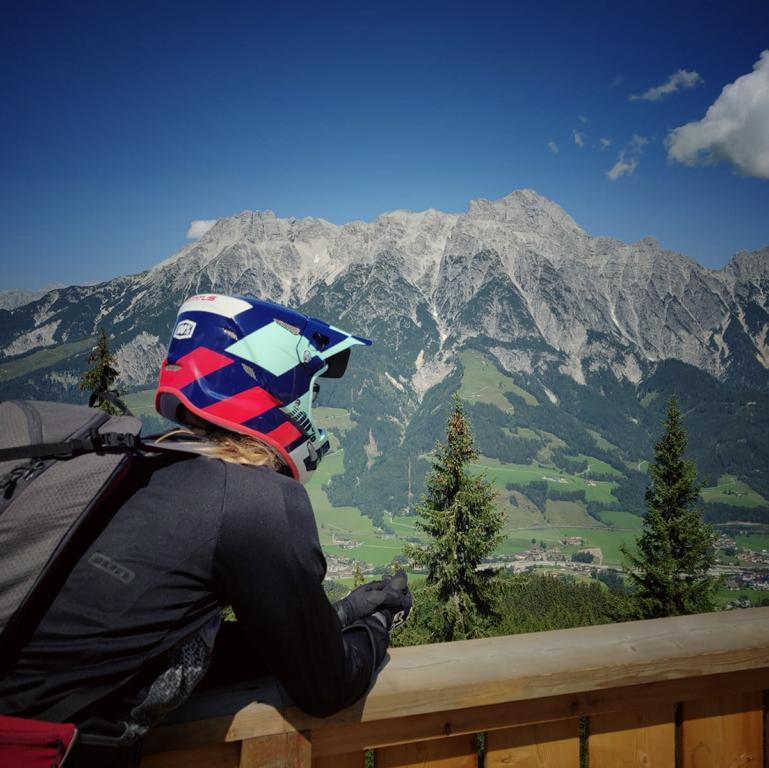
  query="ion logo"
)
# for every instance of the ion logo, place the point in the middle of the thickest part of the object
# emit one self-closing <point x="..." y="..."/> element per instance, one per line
<point x="108" y="565"/>
<point x="185" y="329"/>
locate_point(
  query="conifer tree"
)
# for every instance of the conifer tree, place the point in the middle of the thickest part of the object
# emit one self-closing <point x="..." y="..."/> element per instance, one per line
<point x="670" y="572"/>
<point x="102" y="373"/>
<point x="458" y="514"/>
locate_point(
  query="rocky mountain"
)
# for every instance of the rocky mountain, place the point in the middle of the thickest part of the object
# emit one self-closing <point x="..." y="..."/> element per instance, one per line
<point x="568" y="315"/>
<point x="16" y="298"/>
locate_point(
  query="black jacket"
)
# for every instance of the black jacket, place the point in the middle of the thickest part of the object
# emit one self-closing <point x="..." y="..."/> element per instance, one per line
<point x="189" y="536"/>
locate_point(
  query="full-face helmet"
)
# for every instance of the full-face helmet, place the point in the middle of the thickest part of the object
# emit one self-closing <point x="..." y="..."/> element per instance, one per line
<point x="251" y="366"/>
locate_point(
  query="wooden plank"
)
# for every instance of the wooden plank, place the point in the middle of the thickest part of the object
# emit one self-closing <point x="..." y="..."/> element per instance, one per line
<point x="332" y="739"/>
<point x="766" y="728"/>
<point x="723" y="731"/>
<point x="449" y="676"/>
<point x="430" y="692"/>
<point x="453" y="752"/>
<point x="582" y="663"/>
<point x="535" y="746"/>
<point x="349" y="760"/>
<point x="219" y="756"/>
<point x="633" y="739"/>
<point x="286" y="750"/>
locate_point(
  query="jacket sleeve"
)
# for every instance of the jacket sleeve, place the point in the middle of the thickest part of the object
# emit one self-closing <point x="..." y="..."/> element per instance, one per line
<point x="269" y="566"/>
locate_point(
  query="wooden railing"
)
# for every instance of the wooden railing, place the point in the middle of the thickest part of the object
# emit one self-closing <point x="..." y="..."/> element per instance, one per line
<point x="685" y="691"/>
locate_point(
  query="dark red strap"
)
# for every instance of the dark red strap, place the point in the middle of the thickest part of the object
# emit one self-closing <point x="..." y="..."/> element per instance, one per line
<point x="34" y="743"/>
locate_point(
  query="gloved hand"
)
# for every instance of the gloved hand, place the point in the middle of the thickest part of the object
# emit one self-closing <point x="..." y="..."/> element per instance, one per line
<point x="390" y="597"/>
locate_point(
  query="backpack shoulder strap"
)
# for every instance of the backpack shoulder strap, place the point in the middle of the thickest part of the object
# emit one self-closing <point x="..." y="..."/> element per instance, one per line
<point x="93" y="441"/>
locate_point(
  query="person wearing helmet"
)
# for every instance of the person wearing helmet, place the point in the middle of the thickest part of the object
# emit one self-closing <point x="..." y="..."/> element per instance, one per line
<point x="217" y="519"/>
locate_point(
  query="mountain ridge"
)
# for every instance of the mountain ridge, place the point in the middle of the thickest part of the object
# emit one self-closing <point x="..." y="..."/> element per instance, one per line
<point x="550" y="279"/>
<point x="594" y="331"/>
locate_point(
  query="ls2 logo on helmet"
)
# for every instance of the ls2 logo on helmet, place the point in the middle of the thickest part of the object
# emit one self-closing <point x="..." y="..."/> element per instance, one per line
<point x="185" y="329"/>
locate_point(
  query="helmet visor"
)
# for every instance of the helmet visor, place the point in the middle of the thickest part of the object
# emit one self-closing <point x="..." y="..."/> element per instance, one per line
<point x="337" y="364"/>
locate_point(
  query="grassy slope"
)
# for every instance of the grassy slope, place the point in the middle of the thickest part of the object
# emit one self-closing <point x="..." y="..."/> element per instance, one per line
<point x="345" y="522"/>
<point x="43" y="359"/>
<point x="734" y="492"/>
<point x="483" y="383"/>
<point x="523" y="474"/>
<point x="141" y="403"/>
<point x="596" y="466"/>
<point x="571" y="513"/>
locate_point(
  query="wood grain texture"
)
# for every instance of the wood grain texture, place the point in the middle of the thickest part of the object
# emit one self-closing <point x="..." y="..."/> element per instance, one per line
<point x="723" y="731"/>
<point x="286" y="750"/>
<point x="342" y="738"/>
<point x="474" y="673"/>
<point x="633" y="739"/>
<point x="219" y="756"/>
<point x="431" y="691"/>
<point x="535" y="746"/>
<point x="349" y="760"/>
<point x="452" y="752"/>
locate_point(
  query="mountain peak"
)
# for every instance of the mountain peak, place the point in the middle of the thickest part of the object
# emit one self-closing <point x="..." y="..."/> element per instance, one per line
<point x="747" y="264"/>
<point x="527" y="211"/>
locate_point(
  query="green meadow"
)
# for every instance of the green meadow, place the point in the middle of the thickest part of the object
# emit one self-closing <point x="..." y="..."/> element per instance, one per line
<point x="141" y="403"/>
<point x="602" y="442"/>
<point x="556" y="479"/>
<point x="43" y="359"/>
<point x="608" y="540"/>
<point x="754" y="541"/>
<point x="596" y="466"/>
<point x="483" y="383"/>
<point x="622" y="520"/>
<point x="734" y="492"/>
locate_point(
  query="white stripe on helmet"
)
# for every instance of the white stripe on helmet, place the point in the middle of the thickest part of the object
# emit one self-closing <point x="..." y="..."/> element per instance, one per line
<point x="216" y="304"/>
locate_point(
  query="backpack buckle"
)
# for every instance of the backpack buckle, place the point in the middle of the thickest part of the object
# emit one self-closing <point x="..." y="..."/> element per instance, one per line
<point x="122" y="440"/>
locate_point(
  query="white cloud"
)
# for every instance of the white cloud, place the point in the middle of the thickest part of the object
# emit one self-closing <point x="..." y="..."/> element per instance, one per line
<point x="553" y="147"/>
<point x="579" y="138"/>
<point x="199" y="227"/>
<point x="735" y="127"/>
<point x="629" y="157"/>
<point x="582" y="119"/>
<point x="678" y="80"/>
<point x="605" y="143"/>
<point x="618" y="80"/>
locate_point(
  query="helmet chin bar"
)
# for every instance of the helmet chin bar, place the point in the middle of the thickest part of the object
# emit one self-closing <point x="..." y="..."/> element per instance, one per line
<point x="307" y="456"/>
<point x="314" y="455"/>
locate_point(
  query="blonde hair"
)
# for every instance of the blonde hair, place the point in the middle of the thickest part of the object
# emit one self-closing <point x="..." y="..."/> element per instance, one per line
<point x="241" y="449"/>
<point x="234" y="448"/>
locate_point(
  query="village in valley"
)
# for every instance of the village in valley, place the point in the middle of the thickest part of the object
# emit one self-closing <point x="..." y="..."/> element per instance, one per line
<point x="744" y="571"/>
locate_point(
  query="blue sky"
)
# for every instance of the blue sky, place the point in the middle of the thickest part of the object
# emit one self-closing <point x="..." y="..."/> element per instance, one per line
<point x="124" y="122"/>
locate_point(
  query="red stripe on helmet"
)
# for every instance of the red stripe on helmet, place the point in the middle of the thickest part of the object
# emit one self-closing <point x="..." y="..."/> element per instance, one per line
<point x="285" y="434"/>
<point x="243" y="406"/>
<point x="194" y="365"/>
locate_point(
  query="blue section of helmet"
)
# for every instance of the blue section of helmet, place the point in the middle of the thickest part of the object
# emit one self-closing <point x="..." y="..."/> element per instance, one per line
<point x="264" y="312"/>
<point x="233" y="379"/>
<point x="268" y="421"/>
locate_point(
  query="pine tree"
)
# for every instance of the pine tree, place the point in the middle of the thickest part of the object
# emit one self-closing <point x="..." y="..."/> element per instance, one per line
<point x="102" y="372"/>
<point x="458" y="514"/>
<point x="670" y="572"/>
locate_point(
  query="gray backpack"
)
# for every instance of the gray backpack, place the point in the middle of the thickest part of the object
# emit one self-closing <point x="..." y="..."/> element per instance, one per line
<point x="58" y="464"/>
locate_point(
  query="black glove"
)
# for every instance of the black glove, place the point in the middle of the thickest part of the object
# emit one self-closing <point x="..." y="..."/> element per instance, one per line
<point x="398" y="588"/>
<point x="390" y="597"/>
